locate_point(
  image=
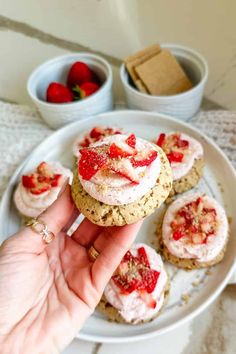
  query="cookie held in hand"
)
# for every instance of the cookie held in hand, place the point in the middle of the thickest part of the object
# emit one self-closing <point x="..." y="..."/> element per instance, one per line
<point x="120" y="180"/>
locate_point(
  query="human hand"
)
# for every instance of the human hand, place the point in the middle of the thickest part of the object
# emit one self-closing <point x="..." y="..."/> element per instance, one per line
<point x="48" y="291"/>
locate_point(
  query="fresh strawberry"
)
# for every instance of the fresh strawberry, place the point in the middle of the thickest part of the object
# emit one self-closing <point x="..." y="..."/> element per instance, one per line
<point x="58" y="93"/>
<point x="29" y="181"/>
<point x="144" y="158"/>
<point x="125" y="169"/>
<point x="131" y="140"/>
<point x="175" y="156"/>
<point x="119" y="150"/>
<point x="78" y="74"/>
<point x="161" y="139"/>
<point x="91" y="162"/>
<point x="84" y="90"/>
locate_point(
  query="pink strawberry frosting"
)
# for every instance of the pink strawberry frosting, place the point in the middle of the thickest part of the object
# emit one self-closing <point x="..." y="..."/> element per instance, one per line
<point x="195" y="152"/>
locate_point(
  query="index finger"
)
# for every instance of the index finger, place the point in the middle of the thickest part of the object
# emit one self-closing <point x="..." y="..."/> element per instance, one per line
<point x="112" y="244"/>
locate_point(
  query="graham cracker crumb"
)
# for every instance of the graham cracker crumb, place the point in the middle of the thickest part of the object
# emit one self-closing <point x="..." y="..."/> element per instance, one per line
<point x="185" y="298"/>
<point x="102" y="188"/>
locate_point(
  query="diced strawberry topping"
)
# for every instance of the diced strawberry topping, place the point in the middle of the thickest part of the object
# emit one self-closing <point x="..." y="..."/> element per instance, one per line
<point x="91" y="162"/>
<point x="175" y="156"/>
<point x="143" y="256"/>
<point x="198" y="238"/>
<point x="119" y="150"/>
<point x="135" y="274"/>
<point x="182" y="143"/>
<point x="174" y="147"/>
<point x="149" y="301"/>
<point x="194" y="222"/>
<point x="131" y="140"/>
<point x="29" y="181"/>
<point x="40" y="190"/>
<point x="120" y="157"/>
<point x="96" y="134"/>
<point x="56" y="180"/>
<point x="42" y="180"/>
<point x="85" y="143"/>
<point x="178" y="233"/>
<point x="125" y="169"/>
<point x="144" y="158"/>
<point x="161" y="139"/>
<point x="149" y="279"/>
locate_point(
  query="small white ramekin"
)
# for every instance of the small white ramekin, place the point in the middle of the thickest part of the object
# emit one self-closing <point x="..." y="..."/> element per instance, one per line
<point x="56" y="69"/>
<point x="183" y="105"/>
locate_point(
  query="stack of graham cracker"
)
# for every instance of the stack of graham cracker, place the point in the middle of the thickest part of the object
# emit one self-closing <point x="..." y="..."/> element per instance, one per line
<point x="157" y="72"/>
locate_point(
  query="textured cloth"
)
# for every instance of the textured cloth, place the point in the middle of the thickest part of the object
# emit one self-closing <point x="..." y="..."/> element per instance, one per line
<point x="22" y="129"/>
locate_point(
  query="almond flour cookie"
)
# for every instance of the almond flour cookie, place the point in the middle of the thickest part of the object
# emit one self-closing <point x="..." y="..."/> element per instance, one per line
<point x="194" y="232"/>
<point x="185" y="155"/>
<point x="139" y="288"/>
<point x="40" y="188"/>
<point x="120" y="180"/>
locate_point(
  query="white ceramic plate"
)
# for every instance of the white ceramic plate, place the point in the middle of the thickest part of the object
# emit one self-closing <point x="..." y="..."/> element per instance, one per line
<point x="219" y="181"/>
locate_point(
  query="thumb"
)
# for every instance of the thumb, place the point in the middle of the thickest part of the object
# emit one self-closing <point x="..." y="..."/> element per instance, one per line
<point x="55" y="217"/>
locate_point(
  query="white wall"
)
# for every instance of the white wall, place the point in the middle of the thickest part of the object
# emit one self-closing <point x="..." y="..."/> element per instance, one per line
<point x="117" y="28"/>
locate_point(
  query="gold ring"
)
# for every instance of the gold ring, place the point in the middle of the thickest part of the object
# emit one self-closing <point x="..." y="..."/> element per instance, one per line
<point x="40" y="227"/>
<point x="93" y="253"/>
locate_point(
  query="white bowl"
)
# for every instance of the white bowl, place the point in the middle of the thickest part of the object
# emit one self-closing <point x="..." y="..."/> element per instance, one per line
<point x="56" y="69"/>
<point x="183" y="105"/>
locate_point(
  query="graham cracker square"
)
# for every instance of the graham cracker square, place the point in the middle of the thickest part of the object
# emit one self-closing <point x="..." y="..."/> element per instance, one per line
<point x="138" y="58"/>
<point x="163" y="75"/>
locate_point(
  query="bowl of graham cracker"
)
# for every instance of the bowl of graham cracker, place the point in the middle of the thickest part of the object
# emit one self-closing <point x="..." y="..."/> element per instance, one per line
<point x="169" y="79"/>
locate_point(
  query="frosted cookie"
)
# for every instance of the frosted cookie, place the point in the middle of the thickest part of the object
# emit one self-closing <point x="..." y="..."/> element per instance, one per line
<point x="194" y="232"/>
<point x="40" y="188"/>
<point x="139" y="288"/>
<point x="120" y="180"/>
<point x="94" y="135"/>
<point x="185" y="155"/>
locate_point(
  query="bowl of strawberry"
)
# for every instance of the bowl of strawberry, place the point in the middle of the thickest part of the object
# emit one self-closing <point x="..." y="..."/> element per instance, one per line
<point x="71" y="87"/>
